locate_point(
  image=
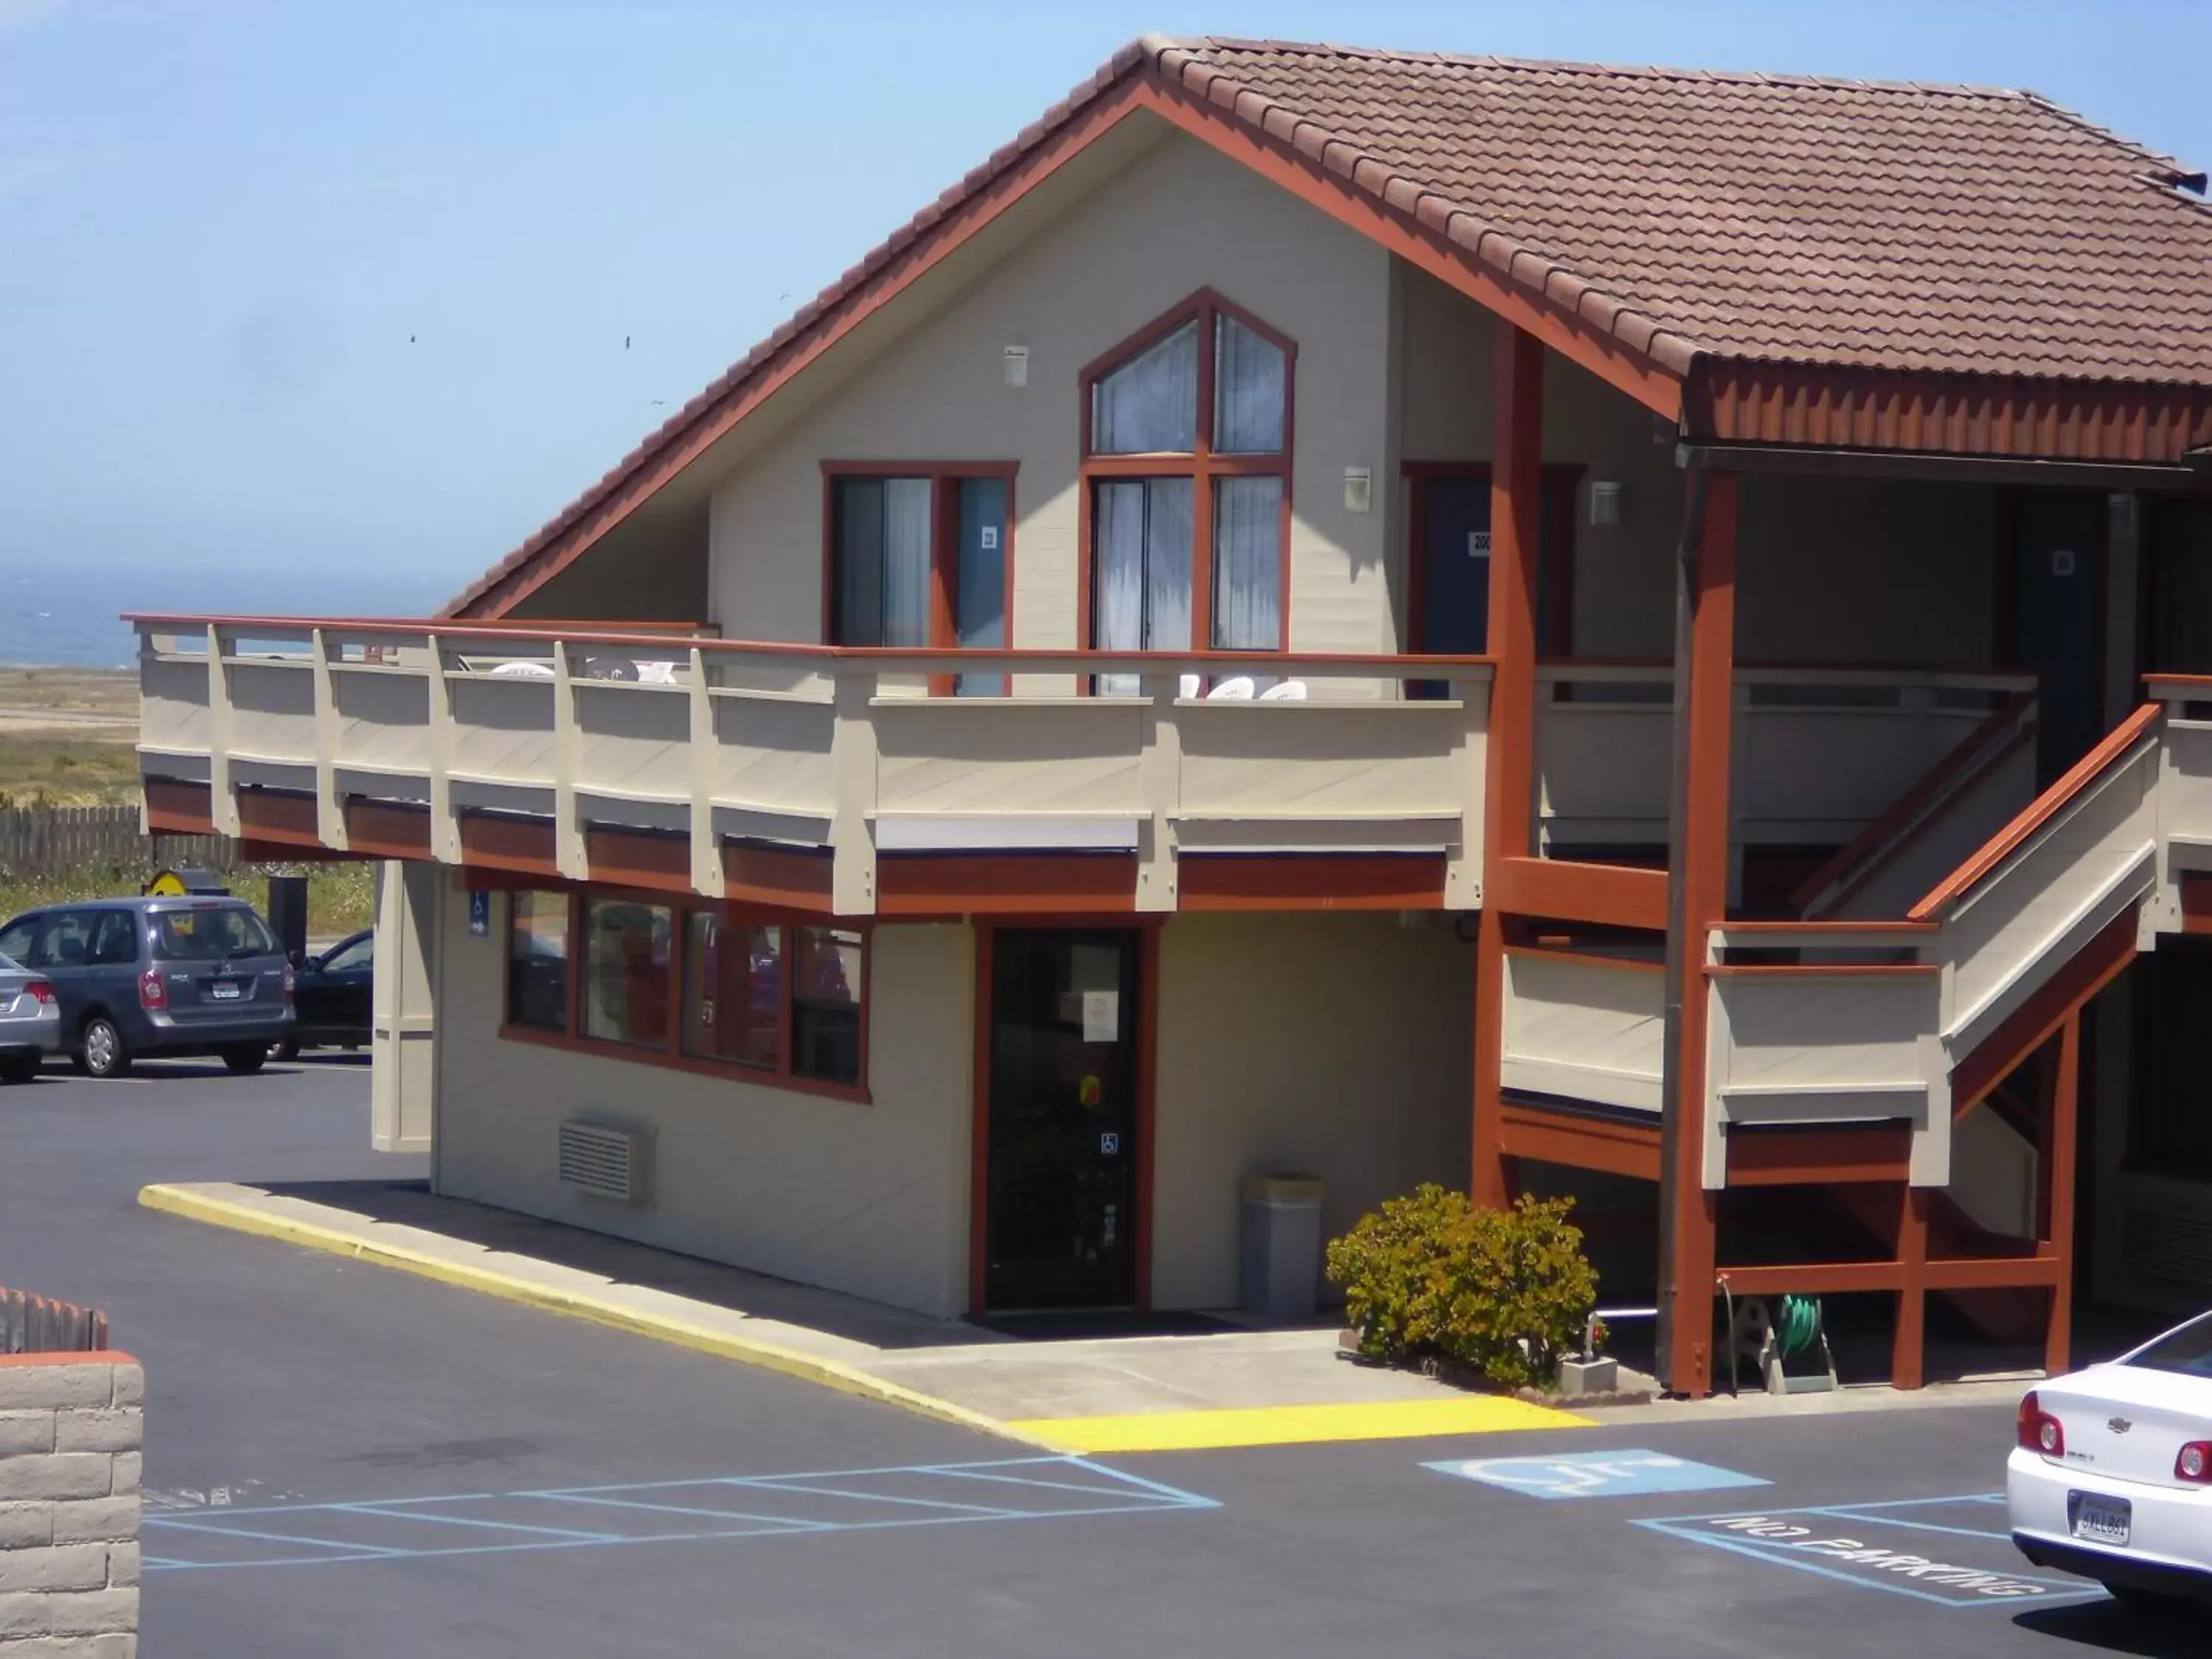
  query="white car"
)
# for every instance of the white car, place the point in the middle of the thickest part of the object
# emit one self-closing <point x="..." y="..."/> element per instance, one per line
<point x="2112" y="1476"/>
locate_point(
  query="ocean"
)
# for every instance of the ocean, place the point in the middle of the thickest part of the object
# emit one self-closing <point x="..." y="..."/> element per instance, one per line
<point x="68" y="616"/>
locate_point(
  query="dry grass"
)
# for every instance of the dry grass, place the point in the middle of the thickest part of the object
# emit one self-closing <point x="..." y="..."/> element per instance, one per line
<point x="66" y="737"/>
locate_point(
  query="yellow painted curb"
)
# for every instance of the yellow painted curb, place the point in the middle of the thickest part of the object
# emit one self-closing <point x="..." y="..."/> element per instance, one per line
<point x="1293" y="1426"/>
<point x="768" y="1356"/>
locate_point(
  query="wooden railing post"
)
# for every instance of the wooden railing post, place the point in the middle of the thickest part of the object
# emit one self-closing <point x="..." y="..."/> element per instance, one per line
<point x="1469" y="761"/>
<point x="222" y="796"/>
<point x="569" y="856"/>
<point x="444" y="821"/>
<point x="707" y="873"/>
<point x="330" y="806"/>
<point x="1159" y="774"/>
<point x="852" y="822"/>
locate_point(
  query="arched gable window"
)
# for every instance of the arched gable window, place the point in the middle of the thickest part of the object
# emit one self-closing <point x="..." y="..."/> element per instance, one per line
<point x="1187" y="471"/>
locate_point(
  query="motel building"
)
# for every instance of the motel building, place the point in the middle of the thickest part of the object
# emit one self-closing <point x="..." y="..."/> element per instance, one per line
<point x="1280" y="626"/>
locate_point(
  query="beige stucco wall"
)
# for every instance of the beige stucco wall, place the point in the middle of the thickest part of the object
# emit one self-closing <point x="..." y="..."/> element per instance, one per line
<point x="1829" y="570"/>
<point x="1329" y="1045"/>
<point x="1178" y="218"/>
<point x="870" y="1199"/>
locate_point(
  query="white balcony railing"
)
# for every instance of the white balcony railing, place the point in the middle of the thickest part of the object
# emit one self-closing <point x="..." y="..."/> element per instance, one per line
<point x="1819" y="752"/>
<point x="816" y="747"/>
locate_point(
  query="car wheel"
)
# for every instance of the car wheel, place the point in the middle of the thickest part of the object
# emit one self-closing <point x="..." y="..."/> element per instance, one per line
<point x="244" y="1062"/>
<point x="287" y="1049"/>
<point x="99" y="1050"/>
<point x="19" y="1068"/>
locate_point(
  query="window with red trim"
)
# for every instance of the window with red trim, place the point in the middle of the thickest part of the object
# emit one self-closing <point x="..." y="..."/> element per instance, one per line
<point x="704" y="986"/>
<point x="920" y="556"/>
<point x="1187" y="471"/>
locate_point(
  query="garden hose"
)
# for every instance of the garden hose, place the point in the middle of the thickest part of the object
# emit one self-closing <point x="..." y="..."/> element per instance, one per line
<point x="1799" y="1327"/>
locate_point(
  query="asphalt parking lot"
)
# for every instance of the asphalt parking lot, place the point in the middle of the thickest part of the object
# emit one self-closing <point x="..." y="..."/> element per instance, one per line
<point x="346" y="1460"/>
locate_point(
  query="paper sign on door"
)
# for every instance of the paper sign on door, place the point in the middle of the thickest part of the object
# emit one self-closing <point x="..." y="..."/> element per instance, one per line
<point x="1102" y="1016"/>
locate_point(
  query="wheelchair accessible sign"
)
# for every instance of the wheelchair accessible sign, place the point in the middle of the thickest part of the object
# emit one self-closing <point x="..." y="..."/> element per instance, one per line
<point x="1596" y="1475"/>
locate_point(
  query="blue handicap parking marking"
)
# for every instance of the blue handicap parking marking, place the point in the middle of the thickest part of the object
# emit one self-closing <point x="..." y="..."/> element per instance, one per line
<point x="1955" y="1552"/>
<point x="1596" y="1475"/>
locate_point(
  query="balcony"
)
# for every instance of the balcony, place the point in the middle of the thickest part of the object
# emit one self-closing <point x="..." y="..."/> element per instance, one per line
<point x="722" y="766"/>
<point x="730" y="768"/>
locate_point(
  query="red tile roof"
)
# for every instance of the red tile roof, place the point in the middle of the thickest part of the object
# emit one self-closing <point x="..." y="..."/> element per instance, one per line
<point x="1756" y="218"/>
<point x="1894" y="227"/>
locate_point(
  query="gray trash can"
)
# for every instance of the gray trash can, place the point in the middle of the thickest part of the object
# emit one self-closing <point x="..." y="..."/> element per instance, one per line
<point x="1279" y="1275"/>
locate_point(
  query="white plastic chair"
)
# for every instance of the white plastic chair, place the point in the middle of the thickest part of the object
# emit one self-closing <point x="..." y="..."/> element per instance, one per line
<point x="1285" y="691"/>
<point x="1238" y="688"/>
<point x="522" y="671"/>
<point x="1187" y="687"/>
<point x="656" y="673"/>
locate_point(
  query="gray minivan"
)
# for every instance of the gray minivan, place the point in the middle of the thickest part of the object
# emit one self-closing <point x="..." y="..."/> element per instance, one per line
<point x="142" y="977"/>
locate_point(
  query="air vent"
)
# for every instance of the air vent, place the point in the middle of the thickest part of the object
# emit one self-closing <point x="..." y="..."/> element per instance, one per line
<point x="2171" y="1243"/>
<point x="606" y="1159"/>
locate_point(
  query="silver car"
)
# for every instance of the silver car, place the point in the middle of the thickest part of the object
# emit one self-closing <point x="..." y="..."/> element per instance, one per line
<point x="30" y="1022"/>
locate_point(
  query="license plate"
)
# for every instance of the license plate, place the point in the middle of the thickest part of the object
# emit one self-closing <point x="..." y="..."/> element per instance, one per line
<point x="228" y="990"/>
<point x="2102" y="1520"/>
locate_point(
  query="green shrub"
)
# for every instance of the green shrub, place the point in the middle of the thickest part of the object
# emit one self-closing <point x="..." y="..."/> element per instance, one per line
<point x="1503" y="1292"/>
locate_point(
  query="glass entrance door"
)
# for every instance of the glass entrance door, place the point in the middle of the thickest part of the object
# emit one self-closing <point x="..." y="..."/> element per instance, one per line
<point x="1060" y="1225"/>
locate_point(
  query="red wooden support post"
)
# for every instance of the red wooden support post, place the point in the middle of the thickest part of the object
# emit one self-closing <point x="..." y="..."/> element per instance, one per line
<point x="1908" y="1361"/>
<point x="2058" y="1194"/>
<point x="1509" y="798"/>
<point x="1704" y="676"/>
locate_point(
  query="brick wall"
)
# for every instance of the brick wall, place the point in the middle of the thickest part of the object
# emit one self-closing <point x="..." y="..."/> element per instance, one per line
<point x="71" y="1427"/>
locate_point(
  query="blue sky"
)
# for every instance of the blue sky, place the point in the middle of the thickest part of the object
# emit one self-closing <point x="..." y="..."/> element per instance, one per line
<point x="380" y="284"/>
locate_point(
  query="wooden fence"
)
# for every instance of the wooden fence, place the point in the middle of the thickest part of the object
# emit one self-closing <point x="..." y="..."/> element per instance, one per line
<point x="38" y="1324"/>
<point x="38" y="843"/>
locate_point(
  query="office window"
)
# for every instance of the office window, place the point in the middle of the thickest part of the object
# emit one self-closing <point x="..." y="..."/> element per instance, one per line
<point x="827" y="984"/>
<point x="538" y="961"/>
<point x="627" y="971"/>
<point x="699" y="987"/>
<point x="1188" y="469"/>
<point x="880" y="532"/>
<point x="734" y="991"/>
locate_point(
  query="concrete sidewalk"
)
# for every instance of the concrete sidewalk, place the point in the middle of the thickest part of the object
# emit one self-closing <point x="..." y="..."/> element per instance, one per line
<point x="1230" y="1388"/>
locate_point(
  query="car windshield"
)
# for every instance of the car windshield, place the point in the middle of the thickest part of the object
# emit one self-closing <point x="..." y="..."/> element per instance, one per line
<point x="2188" y="1351"/>
<point x="211" y="933"/>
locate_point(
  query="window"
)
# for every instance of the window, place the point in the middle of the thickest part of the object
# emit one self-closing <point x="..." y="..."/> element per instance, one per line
<point x="825" y="1005"/>
<point x="880" y="576"/>
<point x="921" y="560"/>
<point x="1187" y="465"/>
<point x="210" y="933"/>
<point x="703" y="986"/>
<point x="64" y="939"/>
<point x="116" y="942"/>
<point x="733" y="992"/>
<point x="16" y="943"/>
<point x="358" y="957"/>
<point x="2188" y="1351"/>
<point x="538" y="961"/>
<point x="627" y="973"/>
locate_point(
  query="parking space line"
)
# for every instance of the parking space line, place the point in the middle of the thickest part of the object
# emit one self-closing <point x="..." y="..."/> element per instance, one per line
<point x="1053" y="1500"/>
<point x="273" y="1537"/>
<point x="790" y="1522"/>
<point x="397" y="1514"/>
